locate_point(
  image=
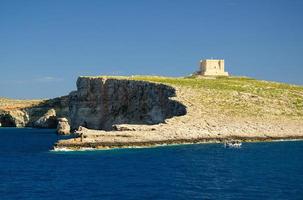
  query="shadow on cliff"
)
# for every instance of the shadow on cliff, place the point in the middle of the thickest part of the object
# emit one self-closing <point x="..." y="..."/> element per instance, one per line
<point x="6" y="120"/>
<point x="100" y="103"/>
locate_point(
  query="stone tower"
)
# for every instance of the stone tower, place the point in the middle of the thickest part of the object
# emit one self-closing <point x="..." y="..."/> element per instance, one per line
<point x="210" y="67"/>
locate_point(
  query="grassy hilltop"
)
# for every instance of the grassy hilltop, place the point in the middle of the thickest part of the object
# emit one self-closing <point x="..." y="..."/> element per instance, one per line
<point x="235" y="96"/>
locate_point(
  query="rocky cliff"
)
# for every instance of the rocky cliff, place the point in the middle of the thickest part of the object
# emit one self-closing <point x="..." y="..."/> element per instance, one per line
<point x="101" y="102"/>
<point x="41" y="114"/>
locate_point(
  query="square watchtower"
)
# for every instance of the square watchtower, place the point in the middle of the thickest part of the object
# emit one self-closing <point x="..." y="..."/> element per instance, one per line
<point x="211" y="67"/>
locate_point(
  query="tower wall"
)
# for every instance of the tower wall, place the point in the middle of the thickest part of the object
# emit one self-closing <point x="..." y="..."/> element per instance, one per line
<point x="213" y="68"/>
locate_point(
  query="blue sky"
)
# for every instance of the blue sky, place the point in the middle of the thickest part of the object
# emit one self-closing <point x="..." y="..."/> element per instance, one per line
<point x="46" y="44"/>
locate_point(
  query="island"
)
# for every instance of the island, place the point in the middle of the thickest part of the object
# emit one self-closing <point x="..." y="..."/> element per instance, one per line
<point x="141" y="111"/>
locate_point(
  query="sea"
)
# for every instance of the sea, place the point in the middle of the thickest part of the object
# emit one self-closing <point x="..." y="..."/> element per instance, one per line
<point x="30" y="170"/>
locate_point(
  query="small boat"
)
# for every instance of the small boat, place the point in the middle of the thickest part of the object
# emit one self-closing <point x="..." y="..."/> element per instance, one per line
<point x="232" y="144"/>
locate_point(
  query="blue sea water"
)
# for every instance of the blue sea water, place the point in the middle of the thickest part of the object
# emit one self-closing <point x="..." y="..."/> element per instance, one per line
<point x="28" y="170"/>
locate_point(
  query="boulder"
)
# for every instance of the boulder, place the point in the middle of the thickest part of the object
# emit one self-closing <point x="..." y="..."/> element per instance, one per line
<point x="63" y="126"/>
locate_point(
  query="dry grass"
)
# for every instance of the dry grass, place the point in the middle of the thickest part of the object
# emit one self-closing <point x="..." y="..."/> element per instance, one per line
<point x="14" y="104"/>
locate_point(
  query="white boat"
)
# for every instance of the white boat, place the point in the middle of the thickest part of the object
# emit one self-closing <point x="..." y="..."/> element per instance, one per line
<point x="232" y="144"/>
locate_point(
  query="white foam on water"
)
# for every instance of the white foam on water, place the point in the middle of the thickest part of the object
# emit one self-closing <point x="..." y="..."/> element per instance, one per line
<point x="64" y="149"/>
<point x="61" y="149"/>
<point x="287" y="140"/>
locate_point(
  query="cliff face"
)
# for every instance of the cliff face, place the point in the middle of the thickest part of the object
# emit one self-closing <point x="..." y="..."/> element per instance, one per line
<point x="43" y="114"/>
<point x="100" y="103"/>
<point x="14" y="118"/>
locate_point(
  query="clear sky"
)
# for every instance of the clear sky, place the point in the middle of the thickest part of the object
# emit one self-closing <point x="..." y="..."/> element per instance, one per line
<point x="46" y="44"/>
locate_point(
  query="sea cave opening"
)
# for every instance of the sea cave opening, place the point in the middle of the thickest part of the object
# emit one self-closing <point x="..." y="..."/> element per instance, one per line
<point x="7" y="121"/>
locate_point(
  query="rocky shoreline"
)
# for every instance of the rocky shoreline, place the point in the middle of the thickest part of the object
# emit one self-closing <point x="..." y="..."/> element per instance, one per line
<point x="104" y="146"/>
<point x="75" y="145"/>
<point x="145" y="136"/>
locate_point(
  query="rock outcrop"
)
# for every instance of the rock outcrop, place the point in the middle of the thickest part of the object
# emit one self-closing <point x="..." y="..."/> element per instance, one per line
<point x="63" y="126"/>
<point x="99" y="103"/>
<point x="14" y="118"/>
<point x="45" y="115"/>
<point x="48" y="120"/>
<point x="42" y="115"/>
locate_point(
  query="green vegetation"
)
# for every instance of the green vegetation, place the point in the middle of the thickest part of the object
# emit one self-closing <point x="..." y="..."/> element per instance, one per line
<point x="240" y="84"/>
<point x="241" y="96"/>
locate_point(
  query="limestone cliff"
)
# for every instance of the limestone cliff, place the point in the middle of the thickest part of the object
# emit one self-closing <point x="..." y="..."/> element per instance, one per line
<point x="101" y="102"/>
<point x="13" y="118"/>
<point x="40" y="114"/>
